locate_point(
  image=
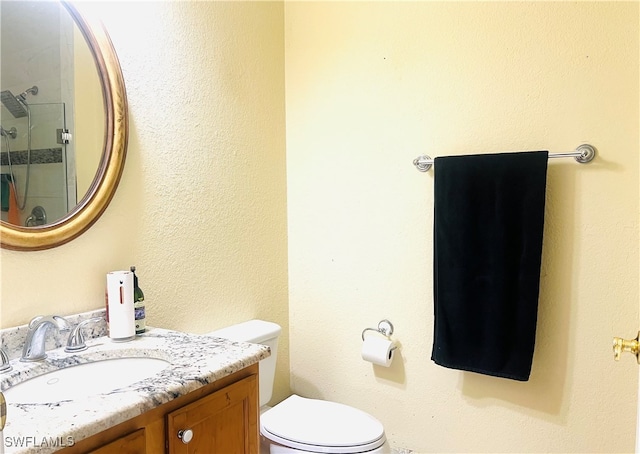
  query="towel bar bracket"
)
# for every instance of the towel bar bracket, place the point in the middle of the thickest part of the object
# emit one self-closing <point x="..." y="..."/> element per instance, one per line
<point x="587" y="153"/>
<point x="423" y="163"/>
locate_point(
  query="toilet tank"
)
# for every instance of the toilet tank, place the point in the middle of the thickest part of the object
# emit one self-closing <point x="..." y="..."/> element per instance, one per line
<point x="257" y="332"/>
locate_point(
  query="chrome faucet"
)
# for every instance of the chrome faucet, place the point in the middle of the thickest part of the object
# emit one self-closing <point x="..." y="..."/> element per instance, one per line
<point x="34" y="345"/>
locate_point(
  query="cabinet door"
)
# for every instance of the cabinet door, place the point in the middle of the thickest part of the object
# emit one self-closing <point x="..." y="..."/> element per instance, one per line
<point x="225" y="422"/>
<point x="134" y="443"/>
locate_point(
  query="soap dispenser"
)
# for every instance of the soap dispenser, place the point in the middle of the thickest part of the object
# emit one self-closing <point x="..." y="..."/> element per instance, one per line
<point x="120" y="312"/>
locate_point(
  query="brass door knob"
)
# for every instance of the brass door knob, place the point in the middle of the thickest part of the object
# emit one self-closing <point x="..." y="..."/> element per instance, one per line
<point x="622" y="345"/>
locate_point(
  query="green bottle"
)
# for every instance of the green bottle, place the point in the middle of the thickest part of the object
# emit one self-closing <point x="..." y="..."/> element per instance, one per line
<point x="138" y="304"/>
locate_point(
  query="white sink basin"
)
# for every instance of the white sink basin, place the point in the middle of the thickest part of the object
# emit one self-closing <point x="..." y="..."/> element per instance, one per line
<point x="76" y="382"/>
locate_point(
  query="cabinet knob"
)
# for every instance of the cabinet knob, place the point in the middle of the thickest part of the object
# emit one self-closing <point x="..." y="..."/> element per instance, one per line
<point x="622" y="345"/>
<point x="185" y="435"/>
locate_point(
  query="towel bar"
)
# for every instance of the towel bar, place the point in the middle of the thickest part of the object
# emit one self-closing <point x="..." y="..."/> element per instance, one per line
<point x="583" y="154"/>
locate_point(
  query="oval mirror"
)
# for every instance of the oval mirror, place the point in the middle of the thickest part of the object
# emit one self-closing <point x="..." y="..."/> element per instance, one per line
<point x="63" y="123"/>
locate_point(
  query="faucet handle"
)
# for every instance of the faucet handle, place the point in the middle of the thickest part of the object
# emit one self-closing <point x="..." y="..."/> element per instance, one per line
<point x="76" y="342"/>
<point x="34" y="321"/>
<point x="61" y="323"/>
<point x="4" y="361"/>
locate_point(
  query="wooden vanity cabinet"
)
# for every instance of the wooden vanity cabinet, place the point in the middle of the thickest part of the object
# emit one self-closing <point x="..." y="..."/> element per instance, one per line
<point x="222" y="417"/>
<point x="217" y="423"/>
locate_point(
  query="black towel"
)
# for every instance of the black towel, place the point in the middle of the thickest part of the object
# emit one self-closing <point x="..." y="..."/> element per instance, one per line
<point x="488" y="223"/>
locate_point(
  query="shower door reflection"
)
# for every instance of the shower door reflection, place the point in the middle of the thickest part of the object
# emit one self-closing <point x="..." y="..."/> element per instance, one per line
<point x="43" y="171"/>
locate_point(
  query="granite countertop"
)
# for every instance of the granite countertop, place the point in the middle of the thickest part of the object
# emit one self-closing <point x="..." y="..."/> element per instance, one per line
<point x="194" y="361"/>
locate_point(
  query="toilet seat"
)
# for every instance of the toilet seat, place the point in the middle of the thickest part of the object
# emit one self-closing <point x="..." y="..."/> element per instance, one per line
<point x="321" y="426"/>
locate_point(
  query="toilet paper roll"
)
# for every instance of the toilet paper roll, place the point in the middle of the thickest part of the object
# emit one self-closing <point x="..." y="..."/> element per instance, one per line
<point x="122" y="325"/>
<point x="378" y="350"/>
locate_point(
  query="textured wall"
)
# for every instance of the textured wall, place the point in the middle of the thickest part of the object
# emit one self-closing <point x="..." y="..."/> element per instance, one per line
<point x="201" y="208"/>
<point x="372" y="85"/>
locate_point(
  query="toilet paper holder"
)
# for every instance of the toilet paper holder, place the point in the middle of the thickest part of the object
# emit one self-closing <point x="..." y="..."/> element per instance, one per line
<point x="385" y="327"/>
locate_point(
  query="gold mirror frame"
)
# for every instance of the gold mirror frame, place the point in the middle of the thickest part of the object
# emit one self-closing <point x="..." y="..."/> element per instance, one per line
<point x="104" y="185"/>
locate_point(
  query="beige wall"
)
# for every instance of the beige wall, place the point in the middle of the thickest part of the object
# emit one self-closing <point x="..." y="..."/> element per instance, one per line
<point x="201" y="208"/>
<point x="370" y="86"/>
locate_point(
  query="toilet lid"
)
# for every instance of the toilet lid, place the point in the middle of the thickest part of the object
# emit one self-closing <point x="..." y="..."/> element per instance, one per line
<point x="321" y="426"/>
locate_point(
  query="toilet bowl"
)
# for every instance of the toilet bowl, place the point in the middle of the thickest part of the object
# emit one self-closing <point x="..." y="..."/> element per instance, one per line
<point x="302" y="425"/>
<point x="298" y="424"/>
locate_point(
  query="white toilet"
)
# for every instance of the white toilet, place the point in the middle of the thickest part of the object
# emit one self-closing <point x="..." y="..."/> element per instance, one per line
<point x="298" y="424"/>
